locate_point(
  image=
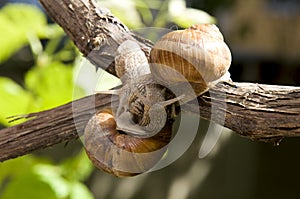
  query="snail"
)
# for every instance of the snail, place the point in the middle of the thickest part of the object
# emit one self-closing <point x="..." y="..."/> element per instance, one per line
<point x="121" y="154"/>
<point x="133" y="138"/>
<point x="197" y="55"/>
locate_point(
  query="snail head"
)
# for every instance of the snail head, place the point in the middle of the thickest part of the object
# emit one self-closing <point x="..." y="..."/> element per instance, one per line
<point x="142" y="112"/>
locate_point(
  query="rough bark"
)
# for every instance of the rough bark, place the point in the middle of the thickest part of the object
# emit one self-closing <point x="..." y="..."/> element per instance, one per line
<point x="260" y="112"/>
<point x="94" y="30"/>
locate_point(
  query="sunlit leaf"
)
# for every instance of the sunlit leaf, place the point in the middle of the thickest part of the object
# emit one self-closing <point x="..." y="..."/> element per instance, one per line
<point x="143" y="7"/>
<point x="18" y="180"/>
<point x="185" y="17"/>
<point x="79" y="191"/>
<point x="16" y="22"/>
<point x="176" y="6"/>
<point x="52" y="85"/>
<point x="50" y="175"/>
<point x="77" y="168"/>
<point x="14" y="100"/>
<point x="192" y="16"/>
<point x="125" y="11"/>
<point x="31" y="177"/>
<point x="15" y="167"/>
<point x="153" y="4"/>
<point x="28" y="186"/>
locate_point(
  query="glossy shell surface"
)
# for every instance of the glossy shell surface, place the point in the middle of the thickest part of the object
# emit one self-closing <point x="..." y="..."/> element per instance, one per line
<point x="118" y="153"/>
<point x="197" y="55"/>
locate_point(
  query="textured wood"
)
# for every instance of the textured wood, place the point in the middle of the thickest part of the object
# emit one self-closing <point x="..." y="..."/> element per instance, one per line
<point x="94" y="30"/>
<point x="49" y="127"/>
<point x="261" y="112"/>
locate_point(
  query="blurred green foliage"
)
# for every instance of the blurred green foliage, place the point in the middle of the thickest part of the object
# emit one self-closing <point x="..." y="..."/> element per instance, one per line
<point x="156" y="13"/>
<point x="29" y="177"/>
<point x="16" y="21"/>
<point x="49" y="83"/>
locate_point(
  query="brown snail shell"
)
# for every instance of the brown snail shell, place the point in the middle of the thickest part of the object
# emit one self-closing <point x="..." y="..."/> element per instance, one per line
<point x="198" y="55"/>
<point x="118" y="153"/>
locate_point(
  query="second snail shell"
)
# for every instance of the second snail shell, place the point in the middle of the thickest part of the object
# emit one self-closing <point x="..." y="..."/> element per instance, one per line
<point x="118" y="153"/>
<point x="197" y="55"/>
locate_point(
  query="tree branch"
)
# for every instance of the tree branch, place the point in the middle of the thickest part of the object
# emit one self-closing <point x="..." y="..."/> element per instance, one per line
<point x="260" y="112"/>
<point x="94" y="30"/>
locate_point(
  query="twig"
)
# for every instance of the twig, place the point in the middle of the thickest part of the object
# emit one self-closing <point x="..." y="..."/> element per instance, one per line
<point x="260" y="112"/>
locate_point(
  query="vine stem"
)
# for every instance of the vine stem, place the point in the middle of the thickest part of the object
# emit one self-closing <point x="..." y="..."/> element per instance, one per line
<point x="255" y="111"/>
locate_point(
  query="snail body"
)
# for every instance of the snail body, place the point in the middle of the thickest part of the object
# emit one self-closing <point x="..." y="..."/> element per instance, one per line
<point x="140" y="97"/>
<point x="133" y="138"/>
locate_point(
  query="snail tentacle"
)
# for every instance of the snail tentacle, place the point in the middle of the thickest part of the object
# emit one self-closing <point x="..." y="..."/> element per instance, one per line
<point x="133" y="139"/>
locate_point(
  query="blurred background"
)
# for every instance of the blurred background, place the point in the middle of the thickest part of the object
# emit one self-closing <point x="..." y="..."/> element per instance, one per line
<point x="37" y="70"/>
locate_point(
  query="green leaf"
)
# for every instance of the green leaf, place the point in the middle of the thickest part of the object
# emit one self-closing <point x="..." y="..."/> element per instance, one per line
<point x="15" y="167"/>
<point x="79" y="191"/>
<point x="192" y="16"/>
<point x="28" y="186"/>
<point x="78" y="167"/>
<point x="16" y="22"/>
<point x="14" y="100"/>
<point x="18" y="180"/>
<point x="125" y="11"/>
<point x="34" y="178"/>
<point x="185" y="17"/>
<point x="48" y="86"/>
<point x="153" y="4"/>
<point x="50" y="175"/>
<point x="51" y="84"/>
<point x="144" y="8"/>
<point x="66" y="187"/>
